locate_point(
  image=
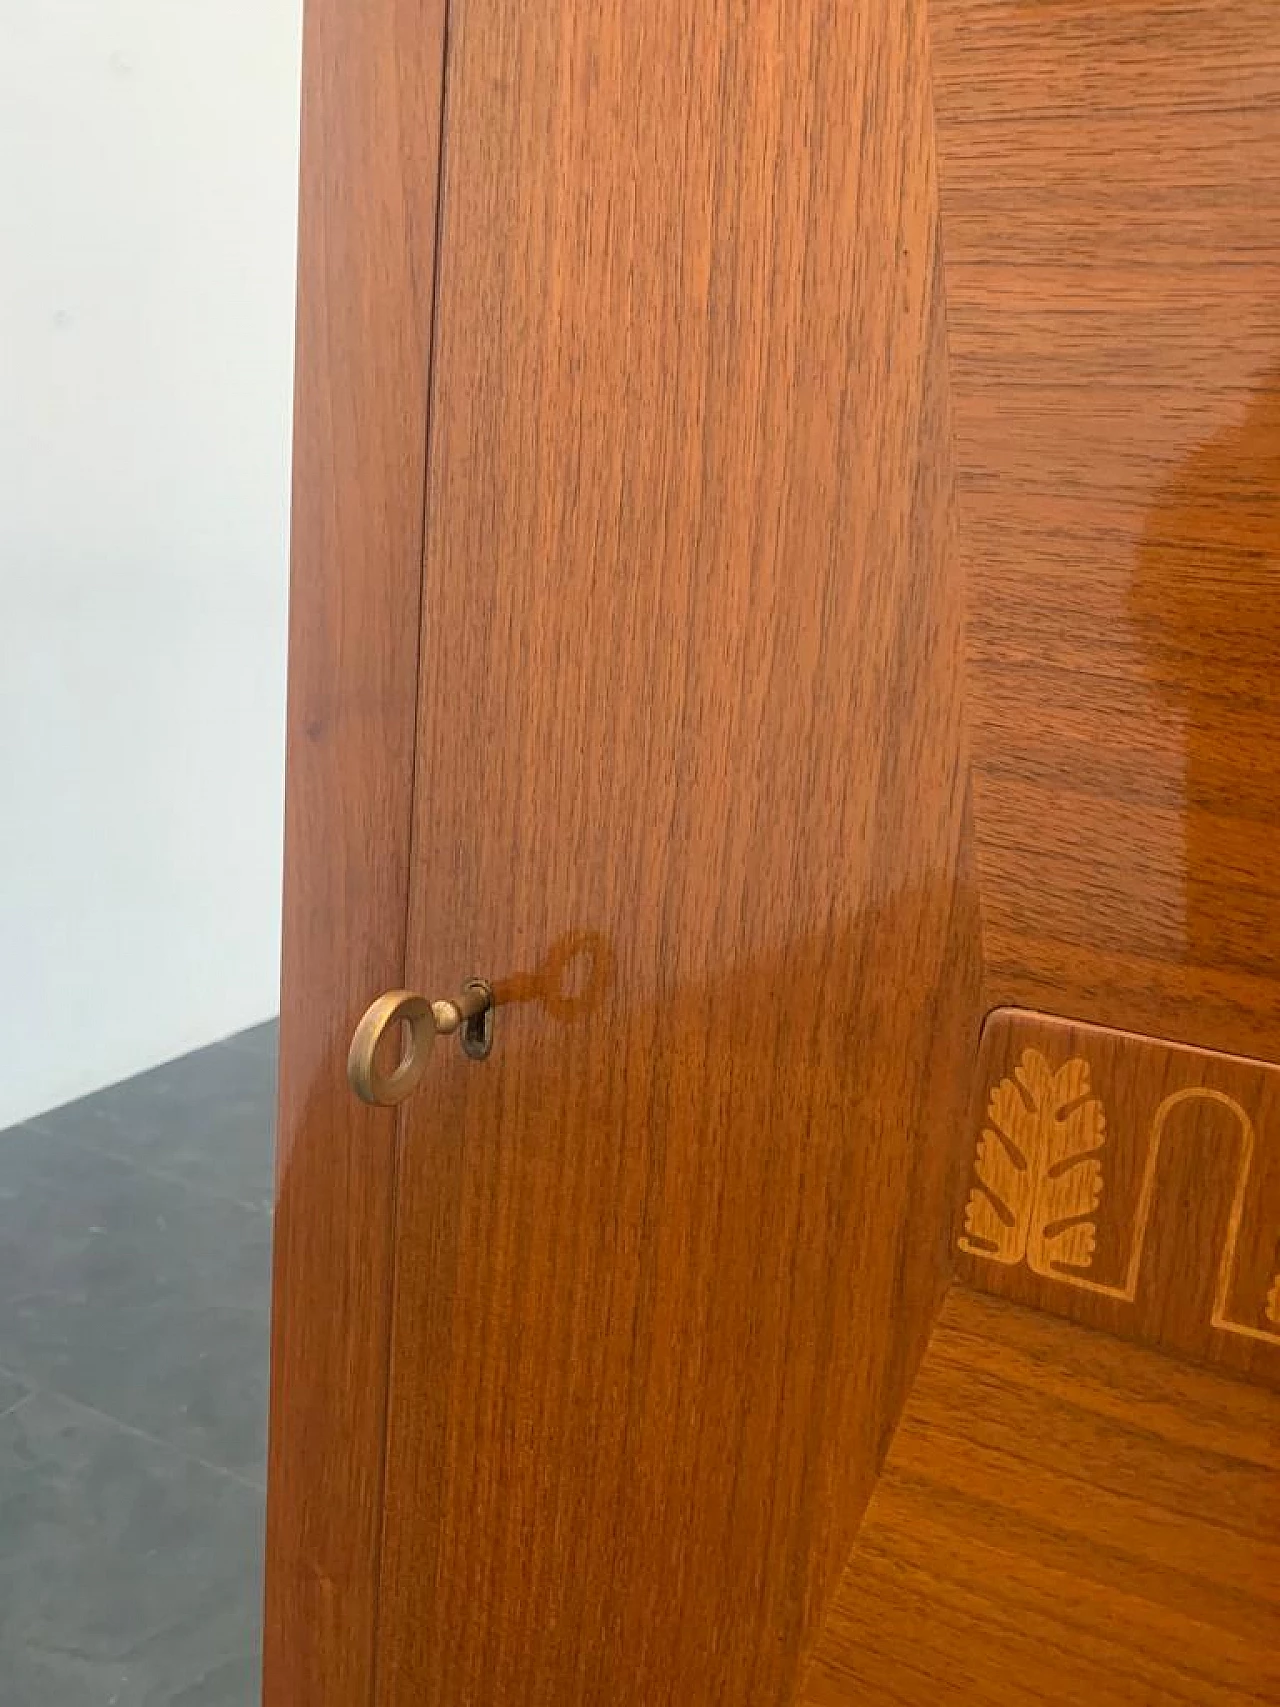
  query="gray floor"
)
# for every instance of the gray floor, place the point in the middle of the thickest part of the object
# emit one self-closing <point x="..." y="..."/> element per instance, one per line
<point x="135" y="1237"/>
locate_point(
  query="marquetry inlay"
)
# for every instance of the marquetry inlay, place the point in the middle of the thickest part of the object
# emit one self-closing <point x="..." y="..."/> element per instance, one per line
<point x="1130" y="1183"/>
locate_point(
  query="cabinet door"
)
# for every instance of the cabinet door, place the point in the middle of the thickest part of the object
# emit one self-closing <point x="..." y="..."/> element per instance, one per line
<point x="643" y="1291"/>
<point x="689" y="793"/>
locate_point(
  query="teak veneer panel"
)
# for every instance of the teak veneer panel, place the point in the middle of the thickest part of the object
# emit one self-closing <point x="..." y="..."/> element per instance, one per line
<point x="691" y="701"/>
<point x="1110" y="192"/>
<point x="370" y="142"/>
<point x="1063" y="1518"/>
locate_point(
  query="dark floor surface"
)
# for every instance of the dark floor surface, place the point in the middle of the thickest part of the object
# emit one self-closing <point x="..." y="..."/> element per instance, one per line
<point x="135" y="1236"/>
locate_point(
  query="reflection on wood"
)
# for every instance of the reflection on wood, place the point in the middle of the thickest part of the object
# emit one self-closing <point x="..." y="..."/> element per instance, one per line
<point x="1110" y="190"/>
<point x="689" y="568"/>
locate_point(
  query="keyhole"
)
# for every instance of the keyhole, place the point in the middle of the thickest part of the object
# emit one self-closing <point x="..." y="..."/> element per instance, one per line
<point x="476" y="1034"/>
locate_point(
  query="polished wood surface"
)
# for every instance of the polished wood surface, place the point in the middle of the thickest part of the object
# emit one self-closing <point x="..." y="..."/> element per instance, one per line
<point x="1063" y="1518"/>
<point x="691" y="787"/>
<point x="1129" y="1184"/>
<point x="1110" y="192"/>
<point x="371" y="125"/>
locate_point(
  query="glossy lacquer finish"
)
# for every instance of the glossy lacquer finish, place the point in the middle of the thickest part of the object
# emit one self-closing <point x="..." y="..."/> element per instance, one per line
<point x="371" y="128"/>
<point x="1110" y="187"/>
<point x="690" y="792"/>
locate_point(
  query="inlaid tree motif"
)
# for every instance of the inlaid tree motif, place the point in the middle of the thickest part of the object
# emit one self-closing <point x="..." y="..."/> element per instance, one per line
<point x="1039" y="1177"/>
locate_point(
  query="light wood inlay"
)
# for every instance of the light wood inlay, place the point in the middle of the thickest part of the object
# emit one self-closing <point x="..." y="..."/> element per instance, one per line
<point x="1128" y="1183"/>
<point x="1063" y="1518"/>
<point x="1110" y="191"/>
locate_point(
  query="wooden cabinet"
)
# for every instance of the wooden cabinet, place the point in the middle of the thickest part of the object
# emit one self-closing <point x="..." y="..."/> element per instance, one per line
<point x="657" y="400"/>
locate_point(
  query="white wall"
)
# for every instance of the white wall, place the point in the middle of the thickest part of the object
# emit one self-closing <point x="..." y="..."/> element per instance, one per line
<point x="148" y="168"/>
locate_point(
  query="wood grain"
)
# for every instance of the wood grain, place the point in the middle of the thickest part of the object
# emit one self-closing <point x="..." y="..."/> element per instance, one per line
<point x="1154" y="1169"/>
<point x="1063" y="1518"/>
<point x="1110" y="188"/>
<point x="371" y="128"/>
<point x="690" y="692"/>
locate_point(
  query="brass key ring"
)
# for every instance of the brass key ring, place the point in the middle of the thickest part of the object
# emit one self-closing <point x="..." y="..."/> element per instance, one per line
<point x="423" y="1022"/>
<point x="471" y="1015"/>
